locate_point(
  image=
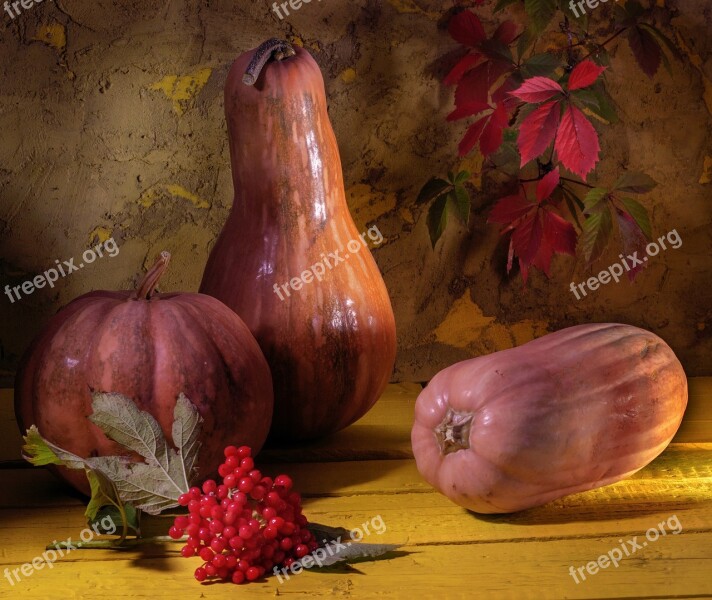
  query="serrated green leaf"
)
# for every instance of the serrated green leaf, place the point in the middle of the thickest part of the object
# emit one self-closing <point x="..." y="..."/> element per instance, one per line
<point x="573" y="203"/>
<point x="635" y="183"/>
<point x="462" y="177"/>
<point x="461" y="199"/>
<point x="594" y="200"/>
<point x="526" y="39"/>
<point x="432" y="189"/>
<point x="595" y="234"/>
<point x="39" y="452"/>
<point x="541" y="12"/>
<point x="103" y="492"/>
<point x="326" y="533"/>
<point x="639" y="214"/>
<point x="596" y="103"/>
<point x="113" y="513"/>
<point x="349" y="552"/>
<point x="122" y="421"/>
<point x="186" y="435"/>
<point x="502" y="4"/>
<point x="542" y="65"/>
<point x="437" y="219"/>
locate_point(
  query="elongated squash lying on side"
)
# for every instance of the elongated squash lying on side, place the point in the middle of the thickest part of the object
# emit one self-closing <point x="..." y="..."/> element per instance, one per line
<point x="571" y="411"/>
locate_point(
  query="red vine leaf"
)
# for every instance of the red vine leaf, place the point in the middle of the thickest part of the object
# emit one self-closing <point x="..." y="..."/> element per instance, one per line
<point x="537" y="89"/>
<point x="584" y="74"/>
<point x="468" y="110"/>
<point x="547" y="185"/>
<point x="576" y="143"/>
<point x="487" y="130"/>
<point x="645" y="49"/>
<point x="538" y="130"/>
<point x="463" y="65"/>
<point x="476" y="84"/>
<point x="466" y="29"/>
<point x="509" y="209"/>
<point x="506" y="32"/>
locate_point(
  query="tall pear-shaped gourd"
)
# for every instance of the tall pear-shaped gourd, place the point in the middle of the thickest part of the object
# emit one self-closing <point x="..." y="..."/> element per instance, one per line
<point x="320" y="312"/>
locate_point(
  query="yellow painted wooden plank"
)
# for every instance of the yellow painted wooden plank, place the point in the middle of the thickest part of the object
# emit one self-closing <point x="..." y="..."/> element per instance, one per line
<point x="675" y="566"/>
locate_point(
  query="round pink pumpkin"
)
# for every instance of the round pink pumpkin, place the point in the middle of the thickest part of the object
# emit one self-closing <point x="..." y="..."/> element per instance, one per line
<point x="571" y="411"/>
<point x="149" y="347"/>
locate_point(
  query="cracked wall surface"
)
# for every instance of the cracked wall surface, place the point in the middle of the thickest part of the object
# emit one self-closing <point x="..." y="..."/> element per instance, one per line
<point x="112" y="125"/>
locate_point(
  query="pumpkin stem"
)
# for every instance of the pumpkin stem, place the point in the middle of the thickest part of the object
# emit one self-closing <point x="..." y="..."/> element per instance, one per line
<point x="453" y="433"/>
<point x="272" y="48"/>
<point x="150" y="280"/>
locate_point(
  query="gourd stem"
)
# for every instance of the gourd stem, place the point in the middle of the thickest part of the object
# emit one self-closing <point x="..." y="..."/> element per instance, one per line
<point x="453" y="433"/>
<point x="272" y="48"/>
<point x="150" y="280"/>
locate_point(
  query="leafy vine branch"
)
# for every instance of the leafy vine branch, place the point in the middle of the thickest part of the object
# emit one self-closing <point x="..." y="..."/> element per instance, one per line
<point x="533" y="120"/>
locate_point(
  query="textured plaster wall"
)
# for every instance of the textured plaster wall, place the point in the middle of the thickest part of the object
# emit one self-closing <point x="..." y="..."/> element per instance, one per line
<point x="111" y="122"/>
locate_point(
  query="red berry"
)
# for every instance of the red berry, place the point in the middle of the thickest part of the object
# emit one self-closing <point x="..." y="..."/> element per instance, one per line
<point x="301" y="551"/>
<point x="194" y="541"/>
<point x="194" y="505"/>
<point x="204" y="533"/>
<point x="229" y="532"/>
<point x="224" y="470"/>
<point x="219" y="561"/>
<point x="270" y="532"/>
<point x="243" y="565"/>
<point x="218" y="544"/>
<point x="245" y="532"/>
<point x="206" y="554"/>
<point x="286" y="544"/>
<point x="245" y="485"/>
<point x="232" y="462"/>
<point x="192" y="529"/>
<point x="183" y="499"/>
<point x="187" y="551"/>
<point x="238" y="577"/>
<point x="252" y="573"/>
<point x="255" y="475"/>
<point x="244" y="451"/>
<point x="181" y="522"/>
<point x="231" y="451"/>
<point x="209" y="486"/>
<point x="230" y="480"/>
<point x="200" y="574"/>
<point x="175" y="533"/>
<point x="258" y="492"/>
<point x="289" y="561"/>
<point x="195" y="493"/>
<point x="247" y="464"/>
<point x="284" y="481"/>
<point x="211" y="570"/>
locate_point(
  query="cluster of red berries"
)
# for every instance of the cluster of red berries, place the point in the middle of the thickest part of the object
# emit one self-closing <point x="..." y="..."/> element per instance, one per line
<point x="245" y="526"/>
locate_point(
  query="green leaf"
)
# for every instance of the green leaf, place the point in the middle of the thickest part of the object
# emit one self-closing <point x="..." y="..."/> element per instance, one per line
<point x="111" y="512"/>
<point x="40" y="452"/>
<point x="122" y="421"/>
<point x="502" y="4"/>
<point x="462" y="177"/>
<point x="594" y="200"/>
<point x="639" y="214"/>
<point x="103" y="492"/>
<point x="635" y="183"/>
<point x="526" y="39"/>
<point x="432" y="189"/>
<point x="540" y="65"/>
<point x="437" y="219"/>
<point x="596" y="234"/>
<point x="461" y="200"/>
<point x="151" y="486"/>
<point x="597" y="103"/>
<point x="348" y="551"/>
<point x="573" y="203"/>
<point x="540" y="12"/>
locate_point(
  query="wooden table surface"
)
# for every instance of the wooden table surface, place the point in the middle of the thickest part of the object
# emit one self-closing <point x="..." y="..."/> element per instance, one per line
<point x="368" y="471"/>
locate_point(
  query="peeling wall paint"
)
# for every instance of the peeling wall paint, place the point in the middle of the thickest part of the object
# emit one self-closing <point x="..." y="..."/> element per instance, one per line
<point x="112" y="125"/>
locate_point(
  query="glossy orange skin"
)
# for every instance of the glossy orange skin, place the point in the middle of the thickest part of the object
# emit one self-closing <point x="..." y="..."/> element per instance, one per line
<point x="571" y="411"/>
<point x="331" y="344"/>
<point x="150" y="351"/>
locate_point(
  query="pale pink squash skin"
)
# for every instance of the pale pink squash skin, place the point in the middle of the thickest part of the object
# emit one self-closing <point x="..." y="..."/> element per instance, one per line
<point x="151" y="351"/>
<point x="571" y="411"/>
<point x="331" y="344"/>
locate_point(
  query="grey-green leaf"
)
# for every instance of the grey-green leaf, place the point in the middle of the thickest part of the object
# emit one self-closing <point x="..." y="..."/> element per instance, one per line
<point x="640" y="215"/>
<point x="350" y="552"/>
<point x="186" y="434"/>
<point x="461" y="199"/>
<point x="635" y="183"/>
<point x="432" y="189"/>
<point x="437" y="219"/>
